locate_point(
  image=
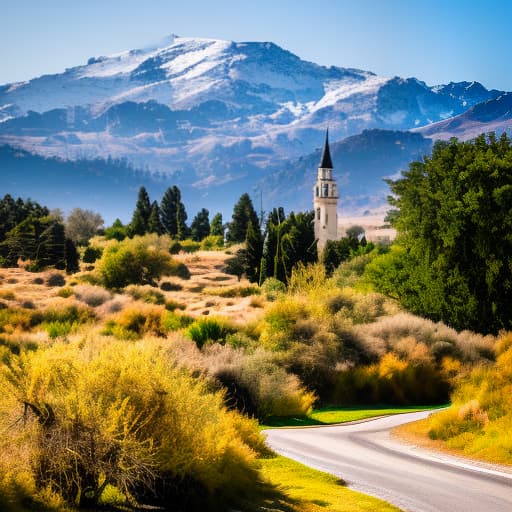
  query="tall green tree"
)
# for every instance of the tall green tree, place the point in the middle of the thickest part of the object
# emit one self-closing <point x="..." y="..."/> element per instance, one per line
<point x="254" y="253"/>
<point x="52" y="246"/>
<point x="173" y="214"/>
<point x="169" y="209"/>
<point x="216" y="227"/>
<point x="200" y="227"/>
<point x="154" y="222"/>
<point x="181" y="222"/>
<point x="140" y="219"/>
<point x="454" y="220"/>
<point x="243" y="213"/>
<point x="288" y="241"/>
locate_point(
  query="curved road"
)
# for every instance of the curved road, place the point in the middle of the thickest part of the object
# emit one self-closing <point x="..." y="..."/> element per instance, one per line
<point x="369" y="460"/>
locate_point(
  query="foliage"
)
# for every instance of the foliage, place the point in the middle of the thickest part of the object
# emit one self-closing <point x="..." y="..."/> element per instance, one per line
<point x="140" y="260"/>
<point x="154" y="222"/>
<point x="93" y="296"/>
<point x="200" y="227"/>
<point x="209" y="329"/>
<point x="216" y="226"/>
<point x="92" y="420"/>
<point x="480" y="419"/>
<point x="243" y="213"/>
<point x="253" y="254"/>
<point x="233" y="291"/>
<point x="288" y="241"/>
<point x="173" y="213"/>
<point x="272" y="288"/>
<point x="13" y="212"/>
<point x="337" y="251"/>
<point x="40" y="241"/>
<point x="454" y="223"/>
<point x="81" y="225"/>
<point x="91" y="254"/>
<point x="118" y="231"/>
<point x="140" y="219"/>
<point x="212" y="243"/>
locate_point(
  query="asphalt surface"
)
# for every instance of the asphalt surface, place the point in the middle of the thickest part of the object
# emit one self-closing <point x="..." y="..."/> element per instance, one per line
<point x="417" y="480"/>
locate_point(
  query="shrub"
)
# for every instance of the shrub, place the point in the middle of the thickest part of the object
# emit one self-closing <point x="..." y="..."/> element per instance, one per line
<point x="145" y="293"/>
<point x="233" y="291"/>
<point x="135" y="321"/>
<point x="256" y="384"/>
<point x="209" y="329"/>
<point x="122" y="415"/>
<point x="55" y="279"/>
<point x="93" y="296"/>
<point x="140" y="260"/>
<point x="272" y="288"/>
<point x="212" y="242"/>
<point x="58" y="328"/>
<point x="91" y="254"/>
<point x="169" y="286"/>
<point x="65" y="292"/>
<point x="7" y="295"/>
<point x="190" y="246"/>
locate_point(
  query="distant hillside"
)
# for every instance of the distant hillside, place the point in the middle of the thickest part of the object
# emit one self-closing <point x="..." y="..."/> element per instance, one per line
<point x="361" y="163"/>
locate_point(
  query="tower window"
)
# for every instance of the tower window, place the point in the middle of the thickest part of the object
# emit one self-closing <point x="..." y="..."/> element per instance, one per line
<point x="316" y="191"/>
<point x="326" y="218"/>
<point x="326" y="190"/>
<point x="318" y="213"/>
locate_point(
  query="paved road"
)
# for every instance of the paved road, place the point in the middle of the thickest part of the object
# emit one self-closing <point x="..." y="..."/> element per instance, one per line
<point x="416" y="480"/>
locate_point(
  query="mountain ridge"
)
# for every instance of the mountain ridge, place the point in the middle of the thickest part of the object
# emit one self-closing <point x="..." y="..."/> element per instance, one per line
<point x="208" y="112"/>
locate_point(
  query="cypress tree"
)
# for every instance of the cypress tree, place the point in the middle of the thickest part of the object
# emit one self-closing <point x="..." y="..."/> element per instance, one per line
<point x="154" y="222"/>
<point x="243" y="213"/>
<point x="169" y="209"/>
<point x="200" y="227"/>
<point x="254" y="253"/>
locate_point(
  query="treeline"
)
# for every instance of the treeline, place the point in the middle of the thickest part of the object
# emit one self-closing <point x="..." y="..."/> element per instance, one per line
<point x="31" y="232"/>
<point x="167" y="217"/>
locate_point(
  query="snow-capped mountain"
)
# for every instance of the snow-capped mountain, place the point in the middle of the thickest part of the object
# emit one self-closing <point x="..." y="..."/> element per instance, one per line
<point x="209" y="112"/>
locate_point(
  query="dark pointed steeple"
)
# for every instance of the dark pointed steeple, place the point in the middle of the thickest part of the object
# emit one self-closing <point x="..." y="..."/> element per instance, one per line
<point x="325" y="161"/>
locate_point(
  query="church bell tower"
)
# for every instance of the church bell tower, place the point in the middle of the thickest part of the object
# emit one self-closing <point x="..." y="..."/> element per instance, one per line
<point x="325" y="200"/>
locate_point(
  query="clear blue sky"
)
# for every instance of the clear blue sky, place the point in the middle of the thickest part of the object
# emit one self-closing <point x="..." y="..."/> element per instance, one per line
<point x="435" y="40"/>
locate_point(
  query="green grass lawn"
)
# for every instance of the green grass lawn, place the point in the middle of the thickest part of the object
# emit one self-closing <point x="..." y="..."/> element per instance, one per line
<point x="309" y="490"/>
<point x="331" y="415"/>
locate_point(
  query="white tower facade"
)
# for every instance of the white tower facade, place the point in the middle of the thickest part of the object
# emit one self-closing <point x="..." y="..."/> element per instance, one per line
<point x="325" y="200"/>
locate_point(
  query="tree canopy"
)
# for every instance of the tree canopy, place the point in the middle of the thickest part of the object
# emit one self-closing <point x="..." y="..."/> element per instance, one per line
<point x="243" y="213"/>
<point x="454" y="221"/>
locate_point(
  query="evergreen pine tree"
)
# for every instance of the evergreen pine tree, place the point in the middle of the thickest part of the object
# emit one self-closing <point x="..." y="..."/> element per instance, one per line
<point x="243" y="213"/>
<point x="140" y="219"/>
<point x="254" y="253"/>
<point x="154" y="222"/>
<point x="200" y="227"/>
<point x="52" y="249"/>
<point x="181" y="221"/>
<point x="169" y="209"/>
<point x="216" y="227"/>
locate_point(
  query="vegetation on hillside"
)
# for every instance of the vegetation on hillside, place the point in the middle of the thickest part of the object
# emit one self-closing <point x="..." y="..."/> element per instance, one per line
<point x="480" y="419"/>
<point x="118" y="392"/>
